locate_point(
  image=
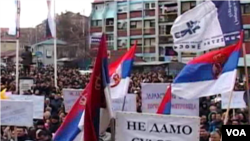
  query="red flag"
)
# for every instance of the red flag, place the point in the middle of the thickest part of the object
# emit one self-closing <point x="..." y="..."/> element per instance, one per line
<point x="96" y="98"/>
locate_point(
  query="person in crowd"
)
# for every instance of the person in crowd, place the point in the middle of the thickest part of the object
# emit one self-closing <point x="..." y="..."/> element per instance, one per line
<point x="215" y="136"/>
<point x="54" y="123"/>
<point x="27" y="60"/>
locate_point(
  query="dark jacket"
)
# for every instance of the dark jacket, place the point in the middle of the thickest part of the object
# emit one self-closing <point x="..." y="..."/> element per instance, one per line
<point x="27" y="58"/>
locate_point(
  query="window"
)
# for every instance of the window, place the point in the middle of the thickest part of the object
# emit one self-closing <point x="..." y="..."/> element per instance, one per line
<point x="135" y="24"/>
<point x="165" y="29"/>
<point x="168" y="8"/>
<point x="122" y="43"/>
<point x="245" y="8"/>
<point x="122" y="26"/>
<point x="149" y="24"/>
<point x="247" y="34"/>
<point x="152" y="5"/>
<point x="110" y="37"/>
<point x="109" y="22"/>
<point x="185" y="6"/>
<point x="149" y="42"/>
<point x="147" y="5"/>
<point x="96" y="23"/>
<point x="122" y="9"/>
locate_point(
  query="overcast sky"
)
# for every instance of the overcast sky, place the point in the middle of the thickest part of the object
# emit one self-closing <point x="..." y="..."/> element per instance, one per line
<point x="34" y="12"/>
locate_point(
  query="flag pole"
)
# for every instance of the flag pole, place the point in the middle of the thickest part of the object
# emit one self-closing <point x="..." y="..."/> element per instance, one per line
<point x="55" y="47"/>
<point x="17" y="64"/>
<point x="247" y="81"/>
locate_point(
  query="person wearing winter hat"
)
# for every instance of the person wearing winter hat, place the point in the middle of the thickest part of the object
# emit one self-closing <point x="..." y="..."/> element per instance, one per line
<point x="54" y="123"/>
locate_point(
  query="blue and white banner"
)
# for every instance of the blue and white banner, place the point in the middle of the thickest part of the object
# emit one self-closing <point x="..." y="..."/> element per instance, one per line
<point x="209" y="25"/>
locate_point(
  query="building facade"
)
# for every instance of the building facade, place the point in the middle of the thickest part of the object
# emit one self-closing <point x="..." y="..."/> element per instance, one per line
<point x="149" y="22"/>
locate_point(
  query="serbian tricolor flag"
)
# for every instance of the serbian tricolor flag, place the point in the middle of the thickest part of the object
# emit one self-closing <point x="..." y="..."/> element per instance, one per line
<point x="98" y="94"/>
<point x="119" y="72"/>
<point x="50" y="23"/>
<point x="209" y="74"/>
<point x="73" y="123"/>
<point x="165" y="106"/>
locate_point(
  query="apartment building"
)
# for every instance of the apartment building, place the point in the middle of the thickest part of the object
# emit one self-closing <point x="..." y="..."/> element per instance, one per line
<point x="147" y="21"/>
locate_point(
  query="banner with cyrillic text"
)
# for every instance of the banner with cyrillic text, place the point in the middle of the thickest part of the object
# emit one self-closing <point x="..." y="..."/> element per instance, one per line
<point x="153" y="127"/>
<point x="37" y="102"/>
<point x="153" y="93"/>
<point x="16" y="113"/>
<point x="129" y="105"/>
<point x="70" y="96"/>
<point x="236" y="102"/>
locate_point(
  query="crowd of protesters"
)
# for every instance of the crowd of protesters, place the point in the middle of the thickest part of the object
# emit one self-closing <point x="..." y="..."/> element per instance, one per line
<point x="211" y="114"/>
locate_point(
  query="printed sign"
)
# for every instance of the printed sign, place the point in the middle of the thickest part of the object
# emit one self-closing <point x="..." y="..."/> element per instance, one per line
<point x="153" y="93"/>
<point x="236" y="102"/>
<point x="38" y="103"/>
<point x="25" y="84"/>
<point x="16" y="113"/>
<point x="130" y="103"/>
<point x="152" y="127"/>
<point x="70" y="96"/>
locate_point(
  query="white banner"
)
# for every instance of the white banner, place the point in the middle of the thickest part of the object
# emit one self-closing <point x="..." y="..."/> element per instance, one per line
<point x="16" y="113"/>
<point x="38" y="103"/>
<point x="152" y="127"/>
<point x="25" y="84"/>
<point x="130" y="103"/>
<point x="236" y="102"/>
<point x="70" y="96"/>
<point x="153" y="93"/>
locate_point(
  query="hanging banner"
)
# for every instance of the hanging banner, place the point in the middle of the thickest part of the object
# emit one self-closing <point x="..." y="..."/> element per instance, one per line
<point x="152" y="127"/>
<point x="153" y="93"/>
<point x="16" y="113"/>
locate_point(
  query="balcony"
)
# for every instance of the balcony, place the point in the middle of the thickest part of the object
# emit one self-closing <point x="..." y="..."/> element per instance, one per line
<point x="136" y="14"/>
<point x="96" y="29"/>
<point x="122" y="33"/>
<point x="135" y="32"/>
<point x="122" y="16"/>
<point x="149" y="31"/>
<point x="109" y="28"/>
<point x="246" y="18"/>
<point x="138" y="49"/>
<point x="168" y="18"/>
<point x="166" y="39"/>
<point x="149" y="13"/>
<point x="167" y="0"/>
<point x="149" y="49"/>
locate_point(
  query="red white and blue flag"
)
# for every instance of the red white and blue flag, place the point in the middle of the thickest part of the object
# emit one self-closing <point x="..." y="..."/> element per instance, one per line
<point x="50" y="23"/>
<point x="73" y="123"/>
<point x="98" y="86"/>
<point x="209" y="74"/>
<point x="119" y="73"/>
<point x="165" y="106"/>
